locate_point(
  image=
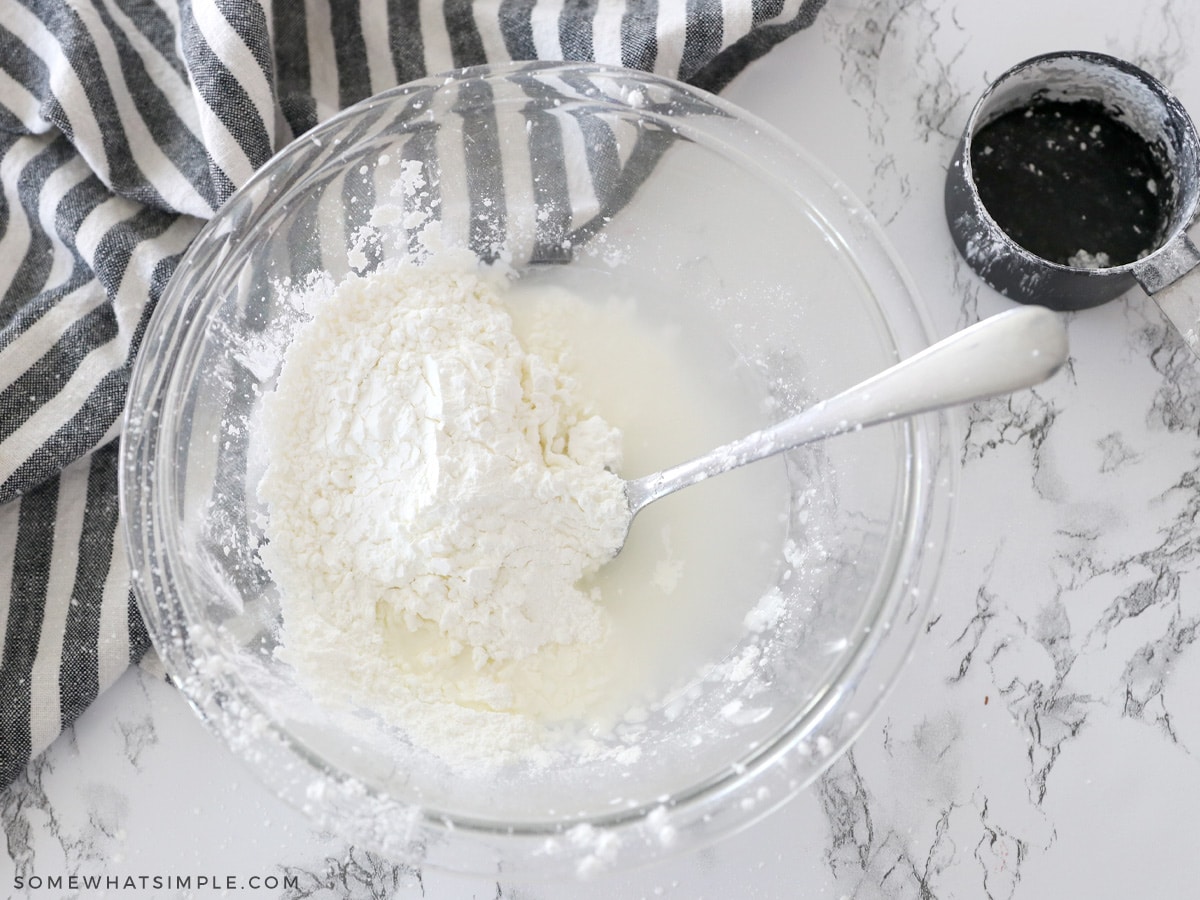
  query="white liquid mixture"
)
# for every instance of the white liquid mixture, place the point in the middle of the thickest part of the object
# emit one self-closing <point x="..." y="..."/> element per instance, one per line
<point x="477" y="676"/>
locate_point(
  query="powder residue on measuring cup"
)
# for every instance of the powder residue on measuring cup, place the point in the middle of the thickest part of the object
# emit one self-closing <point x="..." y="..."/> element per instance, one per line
<point x="1082" y="259"/>
<point x="1071" y="183"/>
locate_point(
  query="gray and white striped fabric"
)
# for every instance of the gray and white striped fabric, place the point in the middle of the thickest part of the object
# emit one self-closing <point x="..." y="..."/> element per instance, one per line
<point x="124" y="124"/>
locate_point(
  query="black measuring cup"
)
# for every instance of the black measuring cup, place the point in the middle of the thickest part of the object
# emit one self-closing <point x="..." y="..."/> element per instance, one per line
<point x="1076" y="179"/>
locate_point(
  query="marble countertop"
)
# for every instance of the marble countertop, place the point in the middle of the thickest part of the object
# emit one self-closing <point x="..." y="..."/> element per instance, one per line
<point x="1043" y="742"/>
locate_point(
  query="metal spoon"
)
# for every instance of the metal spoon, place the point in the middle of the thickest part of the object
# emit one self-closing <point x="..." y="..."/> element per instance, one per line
<point x="1005" y="353"/>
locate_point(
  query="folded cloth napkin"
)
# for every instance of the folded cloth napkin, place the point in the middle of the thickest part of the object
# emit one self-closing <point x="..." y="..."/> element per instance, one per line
<point x="124" y="124"/>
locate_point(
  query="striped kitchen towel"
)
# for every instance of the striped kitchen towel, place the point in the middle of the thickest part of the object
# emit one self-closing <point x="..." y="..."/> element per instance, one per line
<point x="123" y="125"/>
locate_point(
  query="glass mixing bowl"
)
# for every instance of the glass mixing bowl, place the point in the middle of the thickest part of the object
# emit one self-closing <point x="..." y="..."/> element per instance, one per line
<point x="610" y="182"/>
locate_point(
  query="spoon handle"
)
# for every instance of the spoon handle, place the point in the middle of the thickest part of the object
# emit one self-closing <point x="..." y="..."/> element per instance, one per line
<point x="1004" y="353"/>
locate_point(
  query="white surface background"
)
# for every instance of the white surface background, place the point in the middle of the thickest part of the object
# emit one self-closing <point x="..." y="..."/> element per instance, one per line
<point x="1042" y="743"/>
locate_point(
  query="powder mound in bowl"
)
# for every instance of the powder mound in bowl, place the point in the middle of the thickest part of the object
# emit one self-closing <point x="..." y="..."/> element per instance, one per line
<point x="438" y="491"/>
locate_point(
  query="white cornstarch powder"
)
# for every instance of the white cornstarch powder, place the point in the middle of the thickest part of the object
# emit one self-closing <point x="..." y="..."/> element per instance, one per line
<point x="439" y="495"/>
<point x="438" y="457"/>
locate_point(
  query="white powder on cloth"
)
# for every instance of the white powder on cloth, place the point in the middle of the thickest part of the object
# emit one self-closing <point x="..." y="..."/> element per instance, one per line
<point x="438" y="496"/>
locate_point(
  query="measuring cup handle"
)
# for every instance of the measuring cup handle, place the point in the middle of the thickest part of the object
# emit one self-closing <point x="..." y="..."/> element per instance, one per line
<point x="1161" y="276"/>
